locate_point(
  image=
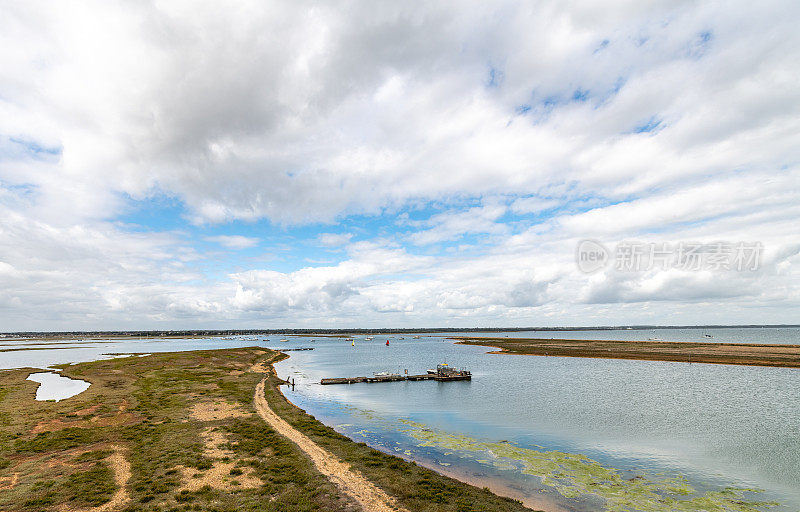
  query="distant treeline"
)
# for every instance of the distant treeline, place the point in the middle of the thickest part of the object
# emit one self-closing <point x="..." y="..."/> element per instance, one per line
<point x="267" y="332"/>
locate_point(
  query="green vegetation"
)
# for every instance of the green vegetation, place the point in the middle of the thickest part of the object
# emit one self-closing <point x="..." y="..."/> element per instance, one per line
<point x="61" y="453"/>
<point x="92" y="487"/>
<point x="185" y="428"/>
<point x="87" y="488"/>
<point x="57" y="441"/>
<point x="574" y="475"/>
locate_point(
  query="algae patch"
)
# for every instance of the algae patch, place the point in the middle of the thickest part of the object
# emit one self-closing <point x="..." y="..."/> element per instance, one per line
<point x="575" y="475"/>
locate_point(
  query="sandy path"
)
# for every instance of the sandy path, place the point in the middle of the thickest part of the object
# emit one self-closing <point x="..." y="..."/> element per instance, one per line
<point x="122" y="473"/>
<point x="349" y="481"/>
<point x="9" y="482"/>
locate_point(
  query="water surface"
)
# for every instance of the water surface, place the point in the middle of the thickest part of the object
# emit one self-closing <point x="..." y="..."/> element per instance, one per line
<point x="711" y="426"/>
<point x="715" y="425"/>
<point x="53" y="386"/>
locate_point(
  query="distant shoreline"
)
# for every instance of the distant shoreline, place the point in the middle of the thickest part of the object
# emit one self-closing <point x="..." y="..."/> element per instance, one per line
<point x="745" y="354"/>
<point x="183" y="333"/>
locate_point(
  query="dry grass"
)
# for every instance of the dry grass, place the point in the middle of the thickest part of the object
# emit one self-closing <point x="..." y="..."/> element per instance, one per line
<point x="9" y="482"/>
<point x="217" y="410"/>
<point x="224" y="474"/>
<point x="115" y="420"/>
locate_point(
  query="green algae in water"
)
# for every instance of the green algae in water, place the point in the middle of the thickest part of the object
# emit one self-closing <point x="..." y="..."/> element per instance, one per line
<point x="575" y="475"/>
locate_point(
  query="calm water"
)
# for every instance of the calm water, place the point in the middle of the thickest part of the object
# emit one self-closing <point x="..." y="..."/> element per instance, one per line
<point x="715" y="425"/>
<point x="53" y="386"/>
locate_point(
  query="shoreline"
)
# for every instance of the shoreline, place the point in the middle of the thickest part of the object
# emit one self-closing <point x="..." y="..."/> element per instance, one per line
<point x="496" y="486"/>
<point x="585" y="477"/>
<point x="743" y="354"/>
<point x="493" y="488"/>
<point x="182" y="428"/>
<point x="541" y="503"/>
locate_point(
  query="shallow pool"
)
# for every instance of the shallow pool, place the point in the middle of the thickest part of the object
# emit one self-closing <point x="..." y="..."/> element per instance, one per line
<point x="53" y="386"/>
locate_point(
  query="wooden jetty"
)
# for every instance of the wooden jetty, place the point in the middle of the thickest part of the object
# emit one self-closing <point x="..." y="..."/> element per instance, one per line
<point x="443" y="373"/>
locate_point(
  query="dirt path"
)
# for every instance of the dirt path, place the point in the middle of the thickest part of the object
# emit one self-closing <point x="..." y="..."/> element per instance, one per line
<point x="9" y="482"/>
<point x="122" y="473"/>
<point x="349" y="481"/>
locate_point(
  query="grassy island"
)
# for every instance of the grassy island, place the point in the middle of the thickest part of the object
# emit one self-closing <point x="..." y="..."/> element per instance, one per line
<point x="748" y="354"/>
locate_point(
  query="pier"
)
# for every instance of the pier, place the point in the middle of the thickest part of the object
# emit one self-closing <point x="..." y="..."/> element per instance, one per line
<point x="443" y="373"/>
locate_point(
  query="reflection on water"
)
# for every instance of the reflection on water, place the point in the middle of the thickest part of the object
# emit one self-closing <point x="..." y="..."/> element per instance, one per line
<point x="53" y="386"/>
<point x="716" y="425"/>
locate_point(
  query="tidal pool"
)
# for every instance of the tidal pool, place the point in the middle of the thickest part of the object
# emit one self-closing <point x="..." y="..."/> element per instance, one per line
<point x="53" y="386"/>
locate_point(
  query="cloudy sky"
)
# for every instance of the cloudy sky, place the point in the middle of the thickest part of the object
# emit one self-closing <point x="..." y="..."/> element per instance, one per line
<point x="292" y="164"/>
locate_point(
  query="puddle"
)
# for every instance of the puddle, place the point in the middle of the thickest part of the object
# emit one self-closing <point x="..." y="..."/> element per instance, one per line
<point x="53" y="386"/>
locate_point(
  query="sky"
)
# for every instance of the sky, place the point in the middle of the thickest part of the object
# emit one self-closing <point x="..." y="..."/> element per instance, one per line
<point x="269" y="164"/>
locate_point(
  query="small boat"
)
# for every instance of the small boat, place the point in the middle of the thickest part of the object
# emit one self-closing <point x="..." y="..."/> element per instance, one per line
<point x="284" y="340"/>
<point x="654" y="339"/>
<point x="446" y="372"/>
<point x="415" y="337"/>
<point x="708" y="336"/>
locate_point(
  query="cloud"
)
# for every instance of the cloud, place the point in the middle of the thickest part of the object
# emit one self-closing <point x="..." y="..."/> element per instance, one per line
<point x="413" y="129"/>
<point x="334" y="239"/>
<point x="233" y="241"/>
<point x="452" y="225"/>
<point x="342" y="111"/>
<point x="525" y="205"/>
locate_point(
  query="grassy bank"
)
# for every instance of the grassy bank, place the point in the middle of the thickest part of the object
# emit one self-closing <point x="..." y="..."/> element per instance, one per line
<point x="178" y="431"/>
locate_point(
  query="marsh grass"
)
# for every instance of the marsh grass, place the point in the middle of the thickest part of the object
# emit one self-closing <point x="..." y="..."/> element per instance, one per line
<point x="66" y="466"/>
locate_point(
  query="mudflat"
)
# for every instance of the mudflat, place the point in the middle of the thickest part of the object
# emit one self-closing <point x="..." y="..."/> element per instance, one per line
<point x="749" y="354"/>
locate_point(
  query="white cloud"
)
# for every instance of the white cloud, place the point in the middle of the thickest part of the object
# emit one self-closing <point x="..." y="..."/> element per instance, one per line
<point x="336" y="111"/>
<point x="233" y="241"/>
<point x="452" y="225"/>
<point x="525" y="205"/>
<point x="334" y="239"/>
<point x="656" y="120"/>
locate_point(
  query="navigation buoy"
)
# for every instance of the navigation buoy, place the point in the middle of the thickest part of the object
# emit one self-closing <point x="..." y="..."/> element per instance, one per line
<point x="352" y="343"/>
<point x="387" y="343"/>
